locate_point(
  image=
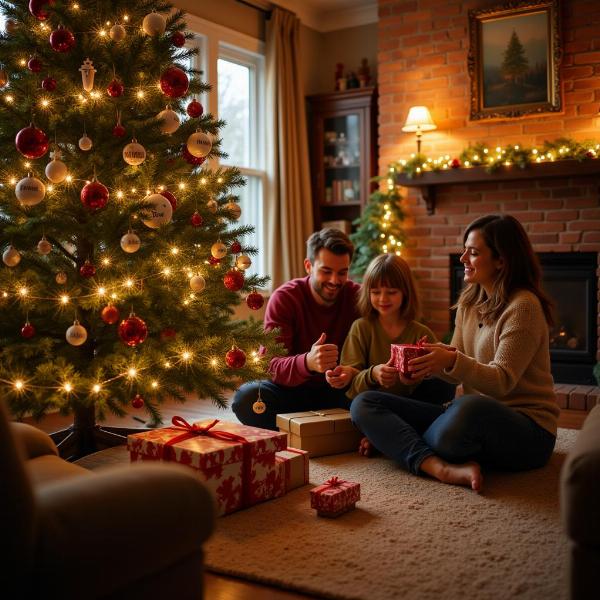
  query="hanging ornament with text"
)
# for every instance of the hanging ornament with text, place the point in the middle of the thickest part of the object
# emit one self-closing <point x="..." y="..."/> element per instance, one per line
<point x="76" y="335"/>
<point x="130" y="242"/>
<point x="199" y="144"/>
<point x="134" y="154"/>
<point x="159" y="213"/>
<point x="30" y="191"/>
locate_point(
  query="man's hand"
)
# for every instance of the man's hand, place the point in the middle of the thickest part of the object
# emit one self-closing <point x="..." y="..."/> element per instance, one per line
<point x="341" y="376"/>
<point x="322" y="356"/>
<point x="385" y="375"/>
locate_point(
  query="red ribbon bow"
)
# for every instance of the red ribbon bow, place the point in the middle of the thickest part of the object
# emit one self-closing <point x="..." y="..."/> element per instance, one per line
<point x="207" y="430"/>
<point x="334" y="482"/>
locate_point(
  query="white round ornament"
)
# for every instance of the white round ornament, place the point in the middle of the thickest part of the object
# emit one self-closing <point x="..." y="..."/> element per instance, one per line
<point x="199" y="144"/>
<point x="85" y="143"/>
<point x="234" y="208"/>
<point x="218" y="250"/>
<point x="159" y="213"/>
<point x="154" y="24"/>
<point x="117" y="33"/>
<point x="197" y="283"/>
<point x="30" y="191"/>
<point x="130" y="242"/>
<point x="243" y="262"/>
<point x="169" y="120"/>
<point x="76" y="334"/>
<point x="56" y="170"/>
<point x="11" y="257"/>
<point x="44" y="246"/>
<point x="212" y="206"/>
<point x="61" y="278"/>
<point x="134" y="153"/>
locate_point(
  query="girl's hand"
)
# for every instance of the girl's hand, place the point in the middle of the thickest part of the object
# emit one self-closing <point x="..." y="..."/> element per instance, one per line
<point x="440" y="357"/>
<point x="341" y="376"/>
<point x="385" y="375"/>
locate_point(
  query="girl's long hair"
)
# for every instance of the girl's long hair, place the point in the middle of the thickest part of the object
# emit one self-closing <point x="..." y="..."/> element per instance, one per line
<point x="508" y="240"/>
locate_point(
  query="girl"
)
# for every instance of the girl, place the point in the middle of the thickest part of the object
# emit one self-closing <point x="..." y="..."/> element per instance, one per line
<point x="388" y="304"/>
<point x="500" y="352"/>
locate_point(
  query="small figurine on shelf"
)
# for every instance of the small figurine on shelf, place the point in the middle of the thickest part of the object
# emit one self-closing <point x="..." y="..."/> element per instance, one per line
<point x="339" y="77"/>
<point x="352" y="80"/>
<point x="364" y="73"/>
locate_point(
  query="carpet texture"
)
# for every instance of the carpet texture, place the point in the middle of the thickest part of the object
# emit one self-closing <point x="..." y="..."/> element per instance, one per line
<point x="409" y="537"/>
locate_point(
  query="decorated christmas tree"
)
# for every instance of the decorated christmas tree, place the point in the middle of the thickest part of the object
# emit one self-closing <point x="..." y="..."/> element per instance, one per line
<point x="122" y="253"/>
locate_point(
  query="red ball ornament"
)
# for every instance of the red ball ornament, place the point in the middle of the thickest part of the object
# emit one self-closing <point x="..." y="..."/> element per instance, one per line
<point x="110" y="314"/>
<point x="94" y="195"/>
<point x="235" y="358"/>
<point x="234" y="280"/>
<point x="32" y="142"/>
<point x="196" y="219"/>
<point x="137" y="401"/>
<point x="214" y="261"/>
<point x="87" y="269"/>
<point x="118" y="130"/>
<point x="39" y="8"/>
<point x="27" y="331"/>
<point x="174" y="82"/>
<point x="178" y="39"/>
<point x="62" y="40"/>
<point x="194" y="109"/>
<point x="254" y="300"/>
<point x="590" y="154"/>
<point x="170" y="197"/>
<point x="49" y="84"/>
<point x="235" y="247"/>
<point x="455" y="164"/>
<point x="189" y="157"/>
<point x="132" y="331"/>
<point x="168" y="333"/>
<point x="34" y="64"/>
<point x="115" y="88"/>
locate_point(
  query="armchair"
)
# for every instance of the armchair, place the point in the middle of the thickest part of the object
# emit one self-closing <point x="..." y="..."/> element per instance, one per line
<point x="131" y="531"/>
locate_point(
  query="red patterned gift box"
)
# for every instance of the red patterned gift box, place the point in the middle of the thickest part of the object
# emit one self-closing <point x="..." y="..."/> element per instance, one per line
<point x="294" y="467"/>
<point x="236" y="462"/>
<point x="334" y="497"/>
<point x="402" y="353"/>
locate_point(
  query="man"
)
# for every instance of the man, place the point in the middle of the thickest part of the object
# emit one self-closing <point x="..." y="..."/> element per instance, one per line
<point x="314" y="315"/>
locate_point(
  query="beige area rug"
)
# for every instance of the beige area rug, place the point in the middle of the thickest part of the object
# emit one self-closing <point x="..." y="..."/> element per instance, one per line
<point x="409" y="537"/>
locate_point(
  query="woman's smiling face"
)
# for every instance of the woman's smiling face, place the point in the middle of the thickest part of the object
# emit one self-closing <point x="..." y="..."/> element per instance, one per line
<point x="480" y="264"/>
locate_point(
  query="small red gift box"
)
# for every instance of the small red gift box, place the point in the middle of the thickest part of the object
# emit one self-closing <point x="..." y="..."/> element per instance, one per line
<point x="294" y="467"/>
<point x="334" y="497"/>
<point x="236" y="462"/>
<point x="402" y="353"/>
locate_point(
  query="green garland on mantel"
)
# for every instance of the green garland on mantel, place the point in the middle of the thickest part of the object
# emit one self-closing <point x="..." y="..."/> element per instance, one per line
<point x="493" y="158"/>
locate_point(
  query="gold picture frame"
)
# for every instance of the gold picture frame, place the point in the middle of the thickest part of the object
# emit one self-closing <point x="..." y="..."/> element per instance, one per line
<point x="514" y="59"/>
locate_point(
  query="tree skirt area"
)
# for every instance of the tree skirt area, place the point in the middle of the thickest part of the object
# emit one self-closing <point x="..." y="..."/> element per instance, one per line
<point x="409" y="537"/>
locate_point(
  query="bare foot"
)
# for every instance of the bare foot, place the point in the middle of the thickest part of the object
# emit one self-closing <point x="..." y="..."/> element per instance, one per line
<point x="366" y="448"/>
<point x="467" y="474"/>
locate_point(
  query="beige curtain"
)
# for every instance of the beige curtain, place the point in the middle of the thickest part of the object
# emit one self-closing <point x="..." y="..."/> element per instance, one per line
<point x="288" y="204"/>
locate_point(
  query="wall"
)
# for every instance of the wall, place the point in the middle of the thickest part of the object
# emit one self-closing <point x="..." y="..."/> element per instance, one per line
<point x="423" y="47"/>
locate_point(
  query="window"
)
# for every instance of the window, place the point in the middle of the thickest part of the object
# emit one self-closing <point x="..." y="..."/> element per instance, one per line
<point x="233" y="64"/>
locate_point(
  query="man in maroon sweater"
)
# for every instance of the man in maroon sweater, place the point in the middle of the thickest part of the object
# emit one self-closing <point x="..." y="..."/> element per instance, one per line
<point x="314" y="315"/>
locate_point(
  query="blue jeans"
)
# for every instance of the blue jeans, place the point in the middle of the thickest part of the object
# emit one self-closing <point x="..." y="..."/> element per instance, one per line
<point x="282" y="399"/>
<point x="473" y="427"/>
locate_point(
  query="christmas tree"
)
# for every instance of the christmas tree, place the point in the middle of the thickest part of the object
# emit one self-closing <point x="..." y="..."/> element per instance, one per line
<point x="122" y="255"/>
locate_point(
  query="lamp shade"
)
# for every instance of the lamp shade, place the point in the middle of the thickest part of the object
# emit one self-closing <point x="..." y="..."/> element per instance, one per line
<point x="418" y="119"/>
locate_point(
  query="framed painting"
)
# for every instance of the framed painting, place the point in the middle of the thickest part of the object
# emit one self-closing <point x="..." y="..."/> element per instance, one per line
<point x="514" y="59"/>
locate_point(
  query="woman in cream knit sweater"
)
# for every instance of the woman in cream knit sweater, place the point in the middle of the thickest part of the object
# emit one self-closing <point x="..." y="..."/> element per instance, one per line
<point x="500" y="353"/>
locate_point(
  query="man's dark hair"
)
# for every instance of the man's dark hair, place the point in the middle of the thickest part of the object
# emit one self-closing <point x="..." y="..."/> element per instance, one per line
<point x="334" y="240"/>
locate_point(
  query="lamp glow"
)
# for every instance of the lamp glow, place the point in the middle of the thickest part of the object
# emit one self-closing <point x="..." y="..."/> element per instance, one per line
<point x="418" y="120"/>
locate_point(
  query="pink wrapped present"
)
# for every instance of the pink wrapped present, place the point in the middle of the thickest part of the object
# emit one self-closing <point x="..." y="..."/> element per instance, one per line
<point x="236" y="462"/>
<point x="334" y="497"/>
<point x="402" y="353"/>
<point x="294" y="467"/>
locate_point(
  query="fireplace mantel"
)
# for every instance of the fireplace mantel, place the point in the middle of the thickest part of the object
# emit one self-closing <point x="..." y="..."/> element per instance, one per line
<point x="427" y="183"/>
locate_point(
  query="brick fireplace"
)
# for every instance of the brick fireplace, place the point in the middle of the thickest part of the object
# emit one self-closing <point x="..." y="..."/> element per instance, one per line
<point x="423" y="47"/>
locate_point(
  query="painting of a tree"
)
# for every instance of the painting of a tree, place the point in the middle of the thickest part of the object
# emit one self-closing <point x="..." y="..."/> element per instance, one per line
<point x="515" y="64"/>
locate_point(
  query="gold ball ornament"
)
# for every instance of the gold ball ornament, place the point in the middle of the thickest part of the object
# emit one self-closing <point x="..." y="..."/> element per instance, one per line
<point x="199" y="144"/>
<point x="56" y="170"/>
<point x="134" y="153"/>
<point x="243" y="262"/>
<point x="85" y="143"/>
<point x="218" y="250"/>
<point x="11" y="257"/>
<point x="44" y="246"/>
<point x="117" y="33"/>
<point x="160" y="213"/>
<point x="154" y="24"/>
<point x="61" y="278"/>
<point x="212" y="206"/>
<point x="169" y="120"/>
<point x="234" y="209"/>
<point x="76" y="334"/>
<point x="130" y="242"/>
<point x="197" y="283"/>
<point x="30" y="191"/>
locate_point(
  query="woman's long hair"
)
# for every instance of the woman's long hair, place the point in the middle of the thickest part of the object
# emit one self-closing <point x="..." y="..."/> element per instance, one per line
<point x="507" y="240"/>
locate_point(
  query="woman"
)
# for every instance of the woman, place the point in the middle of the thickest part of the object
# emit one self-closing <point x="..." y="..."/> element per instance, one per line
<point x="500" y="353"/>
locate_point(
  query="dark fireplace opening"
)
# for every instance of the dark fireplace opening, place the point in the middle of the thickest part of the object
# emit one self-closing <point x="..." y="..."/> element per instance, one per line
<point x="570" y="279"/>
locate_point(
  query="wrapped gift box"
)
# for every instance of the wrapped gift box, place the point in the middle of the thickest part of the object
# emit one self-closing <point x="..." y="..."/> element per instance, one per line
<point x="402" y="353"/>
<point x="294" y="467"/>
<point x="334" y="497"/>
<point x="322" y="432"/>
<point x="239" y="473"/>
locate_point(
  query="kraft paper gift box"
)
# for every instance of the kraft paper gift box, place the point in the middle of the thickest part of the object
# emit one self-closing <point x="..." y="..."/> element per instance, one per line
<point x="334" y="497"/>
<point x="236" y="462"/>
<point x="293" y="464"/>
<point x="322" y="432"/>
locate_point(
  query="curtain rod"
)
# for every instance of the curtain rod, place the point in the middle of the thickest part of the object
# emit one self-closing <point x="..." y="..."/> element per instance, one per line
<point x="265" y="11"/>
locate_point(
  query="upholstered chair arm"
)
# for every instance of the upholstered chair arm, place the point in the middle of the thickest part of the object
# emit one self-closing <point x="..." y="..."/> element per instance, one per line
<point x="123" y="524"/>
<point x="33" y="441"/>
